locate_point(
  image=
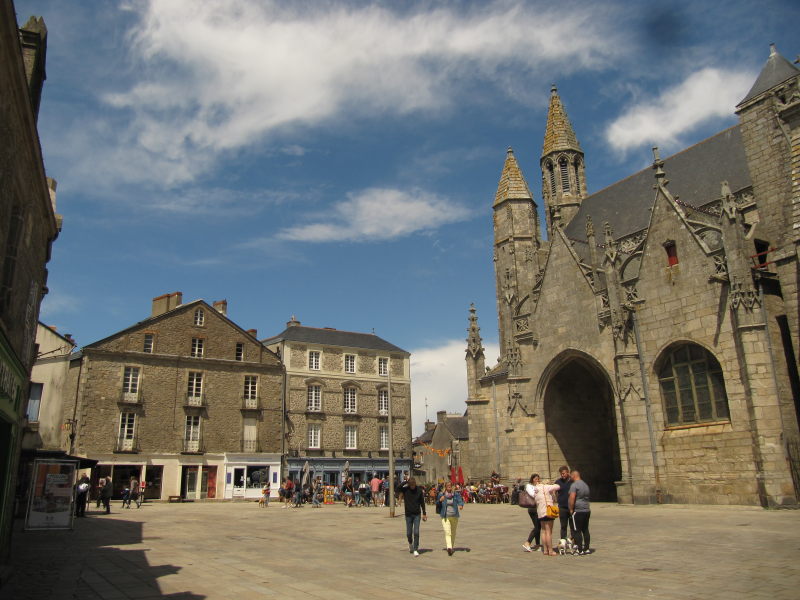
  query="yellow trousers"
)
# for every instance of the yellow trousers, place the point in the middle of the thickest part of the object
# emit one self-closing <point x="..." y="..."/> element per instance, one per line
<point x="450" y="524"/>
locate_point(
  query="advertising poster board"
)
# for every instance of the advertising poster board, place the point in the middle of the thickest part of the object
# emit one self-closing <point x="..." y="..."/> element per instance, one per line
<point x="52" y="498"/>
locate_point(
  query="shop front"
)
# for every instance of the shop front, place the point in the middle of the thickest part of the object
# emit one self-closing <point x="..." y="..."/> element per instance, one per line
<point x="331" y="470"/>
<point x="246" y="475"/>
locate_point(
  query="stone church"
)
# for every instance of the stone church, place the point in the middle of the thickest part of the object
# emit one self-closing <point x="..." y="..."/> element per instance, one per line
<point x="651" y="340"/>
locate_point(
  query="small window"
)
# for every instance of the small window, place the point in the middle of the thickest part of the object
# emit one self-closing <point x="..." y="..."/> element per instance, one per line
<point x="349" y="363"/>
<point x="199" y="317"/>
<point x="384" y="437"/>
<point x="34" y="401"/>
<point x="564" y="169"/>
<point x="350" y="400"/>
<point x="314" y="398"/>
<point x="250" y="387"/>
<point x="239" y="351"/>
<point x="383" y="366"/>
<point x="314" y="435"/>
<point x="350" y="437"/>
<point x="672" y="253"/>
<point x="148" y="343"/>
<point x="383" y="402"/>
<point x="197" y="347"/>
<point x="313" y="360"/>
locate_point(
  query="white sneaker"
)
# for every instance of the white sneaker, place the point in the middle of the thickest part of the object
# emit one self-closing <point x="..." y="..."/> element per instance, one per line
<point x="527" y="548"/>
<point x="416" y="553"/>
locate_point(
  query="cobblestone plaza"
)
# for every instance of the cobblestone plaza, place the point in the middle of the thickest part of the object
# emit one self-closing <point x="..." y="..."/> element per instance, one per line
<point x="237" y="550"/>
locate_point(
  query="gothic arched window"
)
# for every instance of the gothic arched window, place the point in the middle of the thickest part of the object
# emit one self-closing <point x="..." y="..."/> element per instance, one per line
<point x="692" y="386"/>
<point x="552" y="177"/>
<point x="577" y="165"/>
<point x="564" y="169"/>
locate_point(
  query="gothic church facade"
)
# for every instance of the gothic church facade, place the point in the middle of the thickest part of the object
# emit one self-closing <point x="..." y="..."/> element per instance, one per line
<point x="651" y="340"/>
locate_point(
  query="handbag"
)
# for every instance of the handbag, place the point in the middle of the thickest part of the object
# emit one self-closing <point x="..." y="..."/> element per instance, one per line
<point x="552" y="510"/>
<point x="525" y="500"/>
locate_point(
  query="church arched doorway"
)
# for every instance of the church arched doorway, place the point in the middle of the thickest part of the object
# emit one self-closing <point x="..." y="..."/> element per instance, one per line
<point x="581" y="426"/>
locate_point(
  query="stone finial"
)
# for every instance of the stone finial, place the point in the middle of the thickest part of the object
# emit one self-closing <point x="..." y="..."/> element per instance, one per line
<point x="658" y="166"/>
<point x="728" y="203"/>
<point x="608" y="233"/>
<point x="589" y="226"/>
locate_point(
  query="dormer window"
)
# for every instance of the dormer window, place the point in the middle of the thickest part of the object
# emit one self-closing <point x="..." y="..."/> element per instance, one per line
<point x="199" y="317"/>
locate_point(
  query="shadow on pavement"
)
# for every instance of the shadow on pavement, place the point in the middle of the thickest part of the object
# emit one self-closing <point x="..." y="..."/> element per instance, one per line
<point x="83" y="564"/>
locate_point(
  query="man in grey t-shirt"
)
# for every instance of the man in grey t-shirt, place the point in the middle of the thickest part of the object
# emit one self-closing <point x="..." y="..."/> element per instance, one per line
<point x="579" y="511"/>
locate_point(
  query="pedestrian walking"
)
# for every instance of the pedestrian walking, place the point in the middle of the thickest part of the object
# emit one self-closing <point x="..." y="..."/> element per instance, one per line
<point x="414" y="504"/>
<point x="80" y="499"/>
<point x="579" y="509"/>
<point x="450" y="502"/>
<point x="105" y="495"/>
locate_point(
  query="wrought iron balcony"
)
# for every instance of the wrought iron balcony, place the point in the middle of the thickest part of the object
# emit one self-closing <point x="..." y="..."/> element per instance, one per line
<point x="195" y="400"/>
<point x="251" y="403"/>
<point x="193" y="446"/>
<point x="130" y="397"/>
<point x="251" y="446"/>
<point x="126" y="444"/>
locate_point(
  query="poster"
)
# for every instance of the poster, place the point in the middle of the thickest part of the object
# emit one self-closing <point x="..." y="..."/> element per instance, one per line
<point x="51" y="504"/>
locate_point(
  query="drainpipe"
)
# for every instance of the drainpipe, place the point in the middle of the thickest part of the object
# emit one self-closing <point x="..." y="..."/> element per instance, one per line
<point x="496" y="428"/>
<point x="284" y="385"/>
<point x="646" y="393"/>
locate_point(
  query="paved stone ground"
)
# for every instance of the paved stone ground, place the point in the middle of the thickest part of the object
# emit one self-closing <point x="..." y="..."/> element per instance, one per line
<point x="239" y="551"/>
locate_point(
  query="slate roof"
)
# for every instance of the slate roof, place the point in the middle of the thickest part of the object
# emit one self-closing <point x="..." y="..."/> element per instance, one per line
<point x="512" y="183"/>
<point x="458" y="426"/>
<point x="332" y="337"/>
<point x="425" y="437"/>
<point x="694" y="174"/>
<point x="775" y="71"/>
<point x="558" y="133"/>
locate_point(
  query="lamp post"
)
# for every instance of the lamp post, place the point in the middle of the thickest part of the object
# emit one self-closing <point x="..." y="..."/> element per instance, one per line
<point x="391" y="441"/>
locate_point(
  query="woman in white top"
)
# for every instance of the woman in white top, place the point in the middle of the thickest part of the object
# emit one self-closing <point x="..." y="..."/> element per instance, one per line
<point x="533" y="536"/>
<point x="543" y="495"/>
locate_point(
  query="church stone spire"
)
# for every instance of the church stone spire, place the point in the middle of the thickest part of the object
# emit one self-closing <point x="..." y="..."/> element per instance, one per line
<point x="512" y="183"/>
<point x="563" y="175"/>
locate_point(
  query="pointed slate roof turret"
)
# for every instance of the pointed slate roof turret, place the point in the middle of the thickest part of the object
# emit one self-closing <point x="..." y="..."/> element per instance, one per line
<point x="512" y="184"/>
<point x="776" y="70"/>
<point x="558" y="133"/>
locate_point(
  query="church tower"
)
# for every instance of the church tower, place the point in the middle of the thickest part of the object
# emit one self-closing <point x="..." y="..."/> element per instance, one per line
<point x="516" y="243"/>
<point x="563" y="175"/>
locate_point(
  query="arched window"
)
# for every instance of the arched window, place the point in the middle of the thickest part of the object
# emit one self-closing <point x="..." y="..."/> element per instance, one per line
<point x="577" y="176"/>
<point x="552" y="176"/>
<point x="692" y="386"/>
<point x="564" y="168"/>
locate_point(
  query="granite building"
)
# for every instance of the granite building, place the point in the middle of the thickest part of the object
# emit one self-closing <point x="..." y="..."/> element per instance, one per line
<point x="185" y="400"/>
<point x="338" y="398"/>
<point x="652" y="339"/>
<point x="28" y="226"/>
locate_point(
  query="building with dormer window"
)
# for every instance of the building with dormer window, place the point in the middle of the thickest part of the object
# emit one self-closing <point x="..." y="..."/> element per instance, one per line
<point x="338" y="399"/>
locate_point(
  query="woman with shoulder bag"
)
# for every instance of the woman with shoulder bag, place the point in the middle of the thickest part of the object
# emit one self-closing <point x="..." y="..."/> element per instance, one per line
<point x="547" y="511"/>
<point x="450" y="503"/>
<point x="530" y="490"/>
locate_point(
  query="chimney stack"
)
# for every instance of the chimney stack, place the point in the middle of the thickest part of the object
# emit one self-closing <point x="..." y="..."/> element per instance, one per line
<point x="430" y="425"/>
<point x="253" y="332"/>
<point x="33" y="40"/>
<point x="293" y="322"/>
<point x="222" y="307"/>
<point x="440" y="415"/>
<point x="166" y="303"/>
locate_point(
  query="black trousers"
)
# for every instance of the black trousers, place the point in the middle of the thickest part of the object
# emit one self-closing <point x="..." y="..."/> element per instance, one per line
<point x="537" y="526"/>
<point x="563" y="517"/>
<point x="582" y="529"/>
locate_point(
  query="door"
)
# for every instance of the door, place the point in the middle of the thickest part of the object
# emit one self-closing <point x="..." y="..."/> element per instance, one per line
<point x="238" y="482"/>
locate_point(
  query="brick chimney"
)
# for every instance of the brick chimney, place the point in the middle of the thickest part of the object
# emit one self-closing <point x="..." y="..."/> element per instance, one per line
<point x="33" y="40"/>
<point x="253" y="332"/>
<point x="166" y="303"/>
<point x="440" y="415"/>
<point x="430" y="425"/>
<point x="221" y="306"/>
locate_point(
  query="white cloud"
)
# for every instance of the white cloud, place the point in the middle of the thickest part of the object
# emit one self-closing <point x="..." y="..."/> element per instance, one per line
<point x="439" y="376"/>
<point x="220" y="75"/>
<point x="59" y="303"/>
<point x="379" y="214"/>
<point x="704" y="95"/>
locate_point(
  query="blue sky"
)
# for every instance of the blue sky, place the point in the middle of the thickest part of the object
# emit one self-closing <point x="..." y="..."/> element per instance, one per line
<point x="338" y="161"/>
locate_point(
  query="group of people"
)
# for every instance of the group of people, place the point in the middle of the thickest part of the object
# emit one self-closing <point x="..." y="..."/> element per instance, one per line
<point x="566" y="499"/>
<point x="131" y="493"/>
<point x="569" y="494"/>
<point x="354" y="493"/>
